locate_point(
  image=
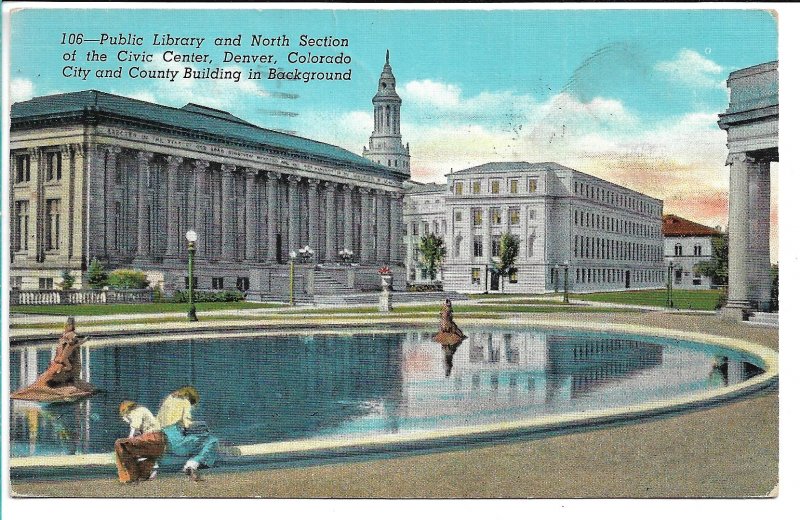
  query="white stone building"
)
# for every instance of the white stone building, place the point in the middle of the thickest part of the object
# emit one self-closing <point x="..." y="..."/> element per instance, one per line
<point x="605" y="236"/>
<point x="423" y="212"/>
<point x="686" y="244"/>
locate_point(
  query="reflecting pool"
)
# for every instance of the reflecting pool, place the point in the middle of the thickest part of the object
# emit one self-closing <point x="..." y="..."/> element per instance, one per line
<point x="302" y="386"/>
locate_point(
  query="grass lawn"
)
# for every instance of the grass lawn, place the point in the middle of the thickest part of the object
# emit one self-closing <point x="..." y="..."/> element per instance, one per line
<point x="134" y="308"/>
<point x="701" y="299"/>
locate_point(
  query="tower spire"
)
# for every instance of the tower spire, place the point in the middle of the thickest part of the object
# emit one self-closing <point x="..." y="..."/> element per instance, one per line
<point x="385" y="144"/>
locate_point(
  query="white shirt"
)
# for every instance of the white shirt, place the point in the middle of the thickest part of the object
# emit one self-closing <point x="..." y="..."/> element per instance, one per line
<point x="175" y="410"/>
<point x="141" y="420"/>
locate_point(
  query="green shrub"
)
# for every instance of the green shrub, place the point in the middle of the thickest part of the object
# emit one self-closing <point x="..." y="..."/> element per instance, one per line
<point x="228" y="295"/>
<point x="96" y="276"/>
<point x="127" y="279"/>
<point x="67" y="280"/>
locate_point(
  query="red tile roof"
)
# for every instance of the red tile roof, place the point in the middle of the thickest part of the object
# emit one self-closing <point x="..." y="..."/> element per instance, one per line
<point x="675" y="226"/>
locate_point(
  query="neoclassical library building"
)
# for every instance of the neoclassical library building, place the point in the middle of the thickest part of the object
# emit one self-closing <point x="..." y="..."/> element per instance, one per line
<point x="96" y="175"/>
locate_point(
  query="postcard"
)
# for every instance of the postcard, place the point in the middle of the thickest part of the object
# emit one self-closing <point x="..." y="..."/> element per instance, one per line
<point x="400" y="252"/>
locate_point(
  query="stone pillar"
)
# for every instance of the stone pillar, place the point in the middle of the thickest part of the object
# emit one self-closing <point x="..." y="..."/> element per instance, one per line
<point x="738" y="233"/>
<point x="294" y="214"/>
<point x="397" y="229"/>
<point x="313" y="218"/>
<point x="347" y="193"/>
<point x="228" y="213"/>
<point x="758" y="261"/>
<point x="112" y="156"/>
<point x="94" y="191"/>
<point x="251" y="215"/>
<point x="142" y="216"/>
<point x="382" y="227"/>
<point x="36" y="204"/>
<point x="78" y="203"/>
<point x="367" y="239"/>
<point x="330" y="221"/>
<point x="201" y="205"/>
<point x="272" y="217"/>
<point x="173" y="226"/>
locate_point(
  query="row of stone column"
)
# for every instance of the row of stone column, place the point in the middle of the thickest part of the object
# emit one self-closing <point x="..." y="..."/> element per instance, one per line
<point x="380" y="212"/>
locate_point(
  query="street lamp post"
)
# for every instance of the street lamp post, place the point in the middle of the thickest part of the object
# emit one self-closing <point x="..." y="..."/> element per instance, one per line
<point x="670" y="267"/>
<point x="566" y="275"/>
<point x="292" y="256"/>
<point x="191" y="238"/>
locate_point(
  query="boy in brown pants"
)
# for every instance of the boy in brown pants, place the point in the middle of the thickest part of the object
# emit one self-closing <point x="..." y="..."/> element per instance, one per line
<point x="137" y="454"/>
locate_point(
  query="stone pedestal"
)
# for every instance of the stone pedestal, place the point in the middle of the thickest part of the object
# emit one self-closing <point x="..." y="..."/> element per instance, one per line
<point x="385" y="301"/>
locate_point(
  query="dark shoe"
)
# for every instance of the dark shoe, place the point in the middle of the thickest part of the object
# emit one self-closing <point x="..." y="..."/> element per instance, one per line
<point x="193" y="475"/>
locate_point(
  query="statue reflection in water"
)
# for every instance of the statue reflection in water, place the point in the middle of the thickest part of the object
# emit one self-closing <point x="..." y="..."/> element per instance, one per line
<point x="449" y="336"/>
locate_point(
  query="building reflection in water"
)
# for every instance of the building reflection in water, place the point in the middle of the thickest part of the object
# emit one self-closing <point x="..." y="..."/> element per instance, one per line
<point x="281" y="388"/>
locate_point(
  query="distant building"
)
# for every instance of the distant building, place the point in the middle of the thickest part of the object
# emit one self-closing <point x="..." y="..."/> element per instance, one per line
<point x="423" y="212"/>
<point x="686" y="244"/>
<point x="606" y="236"/>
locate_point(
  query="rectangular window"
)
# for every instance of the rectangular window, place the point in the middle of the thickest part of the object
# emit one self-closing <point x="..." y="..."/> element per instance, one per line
<point x="414" y="228"/>
<point x="477" y="216"/>
<point x="45" y="283"/>
<point x="243" y="283"/>
<point x="476" y="276"/>
<point x="426" y="228"/>
<point x="458" y="216"/>
<point x="23" y="168"/>
<point x="217" y="282"/>
<point x="186" y="282"/>
<point x="53" y="223"/>
<point x="531" y="185"/>
<point x="495" y="216"/>
<point x="513" y="277"/>
<point x="21" y="221"/>
<point x="53" y="166"/>
<point x="476" y="187"/>
<point x="496" y="245"/>
<point x="459" y="188"/>
<point x="495" y="185"/>
<point x="532" y="214"/>
<point x="477" y="246"/>
<point x="513" y="186"/>
<point x="513" y="216"/>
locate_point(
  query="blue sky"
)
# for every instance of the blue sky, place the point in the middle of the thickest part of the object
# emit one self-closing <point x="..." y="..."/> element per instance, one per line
<point x="628" y="95"/>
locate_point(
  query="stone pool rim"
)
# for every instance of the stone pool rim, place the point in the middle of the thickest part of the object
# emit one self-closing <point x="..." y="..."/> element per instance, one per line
<point x="463" y="434"/>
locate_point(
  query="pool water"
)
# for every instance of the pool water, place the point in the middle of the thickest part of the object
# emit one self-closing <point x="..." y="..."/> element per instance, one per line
<point x="328" y="385"/>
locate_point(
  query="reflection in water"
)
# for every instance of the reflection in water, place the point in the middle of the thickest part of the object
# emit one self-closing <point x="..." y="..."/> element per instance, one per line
<point x="280" y="388"/>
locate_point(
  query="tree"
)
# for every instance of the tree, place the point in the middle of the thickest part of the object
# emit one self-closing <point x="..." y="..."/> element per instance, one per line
<point x="717" y="267"/>
<point x="432" y="251"/>
<point x="509" y="250"/>
<point x="67" y="280"/>
<point x="96" y="276"/>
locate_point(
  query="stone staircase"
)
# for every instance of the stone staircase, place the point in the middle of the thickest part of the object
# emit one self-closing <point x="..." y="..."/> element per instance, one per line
<point x="326" y="285"/>
<point x="764" y="319"/>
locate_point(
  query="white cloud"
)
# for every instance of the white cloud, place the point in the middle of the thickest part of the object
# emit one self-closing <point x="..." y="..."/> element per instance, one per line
<point x="691" y="68"/>
<point x="20" y="89"/>
<point x="429" y="92"/>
